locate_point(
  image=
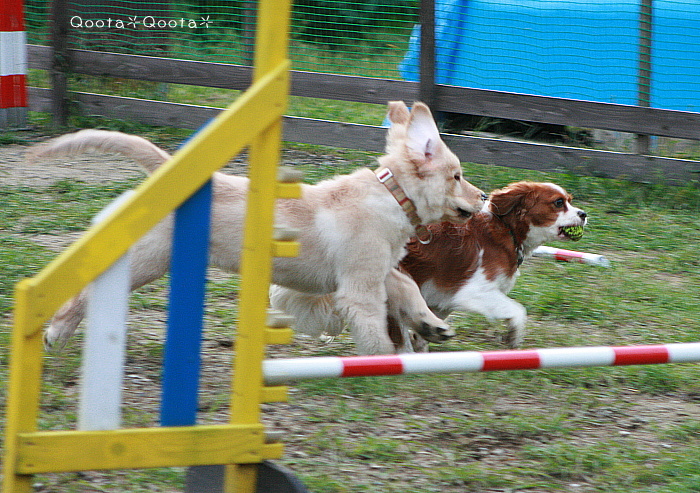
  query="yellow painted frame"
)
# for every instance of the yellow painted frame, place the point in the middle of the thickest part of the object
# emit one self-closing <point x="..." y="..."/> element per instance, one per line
<point x="254" y="119"/>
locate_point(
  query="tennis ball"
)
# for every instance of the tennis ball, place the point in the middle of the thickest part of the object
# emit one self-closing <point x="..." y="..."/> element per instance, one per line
<point x="573" y="232"/>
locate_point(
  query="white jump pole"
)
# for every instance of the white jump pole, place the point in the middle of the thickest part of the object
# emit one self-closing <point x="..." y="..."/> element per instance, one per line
<point x="102" y="370"/>
<point x="571" y="256"/>
<point x="285" y="370"/>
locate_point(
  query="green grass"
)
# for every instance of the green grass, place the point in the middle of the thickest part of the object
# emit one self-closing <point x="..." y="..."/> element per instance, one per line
<point x="12" y="137"/>
<point x="538" y="430"/>
<point x="19" y="258"/>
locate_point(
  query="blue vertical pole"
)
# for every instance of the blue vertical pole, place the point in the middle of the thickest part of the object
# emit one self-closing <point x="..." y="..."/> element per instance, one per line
<point x="181" y="358"/>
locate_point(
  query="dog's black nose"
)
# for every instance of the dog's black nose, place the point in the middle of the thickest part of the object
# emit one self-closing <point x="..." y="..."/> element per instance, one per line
<point x="582" y="214"/>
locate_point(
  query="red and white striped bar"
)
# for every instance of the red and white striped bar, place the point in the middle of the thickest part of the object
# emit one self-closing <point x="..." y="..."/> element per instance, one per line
<point x="13" y="65"/>
<point x="570" y="256"/>
<point x="285" y="370"/>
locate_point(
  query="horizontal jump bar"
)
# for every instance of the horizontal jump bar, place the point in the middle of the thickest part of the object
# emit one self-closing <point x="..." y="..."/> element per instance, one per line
<point x="284" y="370"/>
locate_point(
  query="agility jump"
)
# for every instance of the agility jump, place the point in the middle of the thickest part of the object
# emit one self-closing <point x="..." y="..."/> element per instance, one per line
<point x="254" y="119"/>
<point x="285" y="370"/>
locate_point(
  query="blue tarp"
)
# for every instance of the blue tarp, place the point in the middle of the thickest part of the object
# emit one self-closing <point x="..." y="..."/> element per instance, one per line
<point x="565" y="48"/>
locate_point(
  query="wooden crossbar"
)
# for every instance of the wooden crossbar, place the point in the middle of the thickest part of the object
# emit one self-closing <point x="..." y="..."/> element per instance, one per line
<point x="62" y="451"/>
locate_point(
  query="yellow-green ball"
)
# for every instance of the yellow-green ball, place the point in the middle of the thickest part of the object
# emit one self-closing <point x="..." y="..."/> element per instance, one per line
<point x="573" y="232"/>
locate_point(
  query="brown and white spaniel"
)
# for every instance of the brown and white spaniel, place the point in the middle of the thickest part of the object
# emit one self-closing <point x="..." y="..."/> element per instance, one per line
<point x="471" y="267"/>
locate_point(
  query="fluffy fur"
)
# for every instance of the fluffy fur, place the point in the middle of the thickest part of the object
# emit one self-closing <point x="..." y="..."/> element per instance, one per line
<point x="352" y="230"/>
<point x="472" y="267"/>
<point x="317" y="315"/>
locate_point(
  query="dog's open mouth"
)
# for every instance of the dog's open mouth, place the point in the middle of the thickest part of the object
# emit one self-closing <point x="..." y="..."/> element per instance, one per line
<point x="463" y="213"/>
<point x="574" y="233"/>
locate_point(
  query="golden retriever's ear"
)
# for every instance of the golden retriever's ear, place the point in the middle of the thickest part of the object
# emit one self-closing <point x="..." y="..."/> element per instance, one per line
<point x="398" y="112"/>
<point x="422" y="132"/>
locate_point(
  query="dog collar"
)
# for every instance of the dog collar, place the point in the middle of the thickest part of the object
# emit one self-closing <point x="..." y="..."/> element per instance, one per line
<point x="386" y="178"/>
<point x="520" y="249"/>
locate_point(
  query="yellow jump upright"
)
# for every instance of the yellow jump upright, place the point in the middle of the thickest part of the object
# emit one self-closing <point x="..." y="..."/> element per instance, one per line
<point x="254" y="119"/>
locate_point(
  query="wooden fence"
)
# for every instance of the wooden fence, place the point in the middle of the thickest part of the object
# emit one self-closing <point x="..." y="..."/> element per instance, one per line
<point x="497" y="151"/>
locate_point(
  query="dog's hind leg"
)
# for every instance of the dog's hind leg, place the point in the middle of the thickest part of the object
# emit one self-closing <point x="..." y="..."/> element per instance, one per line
<point x="65" y="321"/>
<point x="314" y="314"/>
<point x="150" y="260"/>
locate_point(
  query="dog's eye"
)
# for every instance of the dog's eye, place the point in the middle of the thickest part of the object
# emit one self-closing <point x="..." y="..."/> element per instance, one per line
<point x="559" y="203"/>
<point x="458" y="176"/>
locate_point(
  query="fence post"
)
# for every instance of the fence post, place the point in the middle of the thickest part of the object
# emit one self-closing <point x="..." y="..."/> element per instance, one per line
<point x="60" y="62"/>
<point x="427" y="52"/>
<point x="646" y="9"/>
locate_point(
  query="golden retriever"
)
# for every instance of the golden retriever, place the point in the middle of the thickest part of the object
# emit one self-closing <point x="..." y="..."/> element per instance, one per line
<point x="352" y="229"/>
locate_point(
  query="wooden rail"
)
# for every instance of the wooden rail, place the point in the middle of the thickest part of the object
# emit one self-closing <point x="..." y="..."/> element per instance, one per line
<point x="544" y="157"/>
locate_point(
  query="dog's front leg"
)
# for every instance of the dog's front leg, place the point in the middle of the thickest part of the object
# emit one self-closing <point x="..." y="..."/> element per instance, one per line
<point x="494" y="305"/>
<point x="515" y="317"/>
<point x="408" y="307"/>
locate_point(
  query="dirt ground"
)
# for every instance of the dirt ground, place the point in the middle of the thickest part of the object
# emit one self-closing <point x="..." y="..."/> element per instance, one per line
<point x="640" y="417"/>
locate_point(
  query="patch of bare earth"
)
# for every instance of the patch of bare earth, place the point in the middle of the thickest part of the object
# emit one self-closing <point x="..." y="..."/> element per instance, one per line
<point x="423" y="425"/>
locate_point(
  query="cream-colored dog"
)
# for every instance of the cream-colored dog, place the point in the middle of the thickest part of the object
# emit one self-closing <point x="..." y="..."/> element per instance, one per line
<point x="352" y="228"/>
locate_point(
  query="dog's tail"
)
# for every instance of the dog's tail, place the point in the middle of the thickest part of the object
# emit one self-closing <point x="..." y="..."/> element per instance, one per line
<point x="137" y="148"/>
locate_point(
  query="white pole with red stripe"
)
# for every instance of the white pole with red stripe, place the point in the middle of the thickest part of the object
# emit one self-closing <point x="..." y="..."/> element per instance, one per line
<point x="284" y="370"/>
<point x="13" y="65"/>
<point x="570" y="256"/>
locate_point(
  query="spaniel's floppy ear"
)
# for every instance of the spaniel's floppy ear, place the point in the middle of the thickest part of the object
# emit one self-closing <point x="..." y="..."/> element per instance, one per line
<point x="422" y="132"/>
<point x="512" y="199"/>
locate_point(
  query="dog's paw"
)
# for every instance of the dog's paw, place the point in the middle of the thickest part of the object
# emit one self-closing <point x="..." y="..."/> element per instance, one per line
<point x="52" y="342"/>
<point x="436" y="333"/>
<point x="514" y="338"/>
<point x="326" y="339"/>
<point x="419" y="344"/>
